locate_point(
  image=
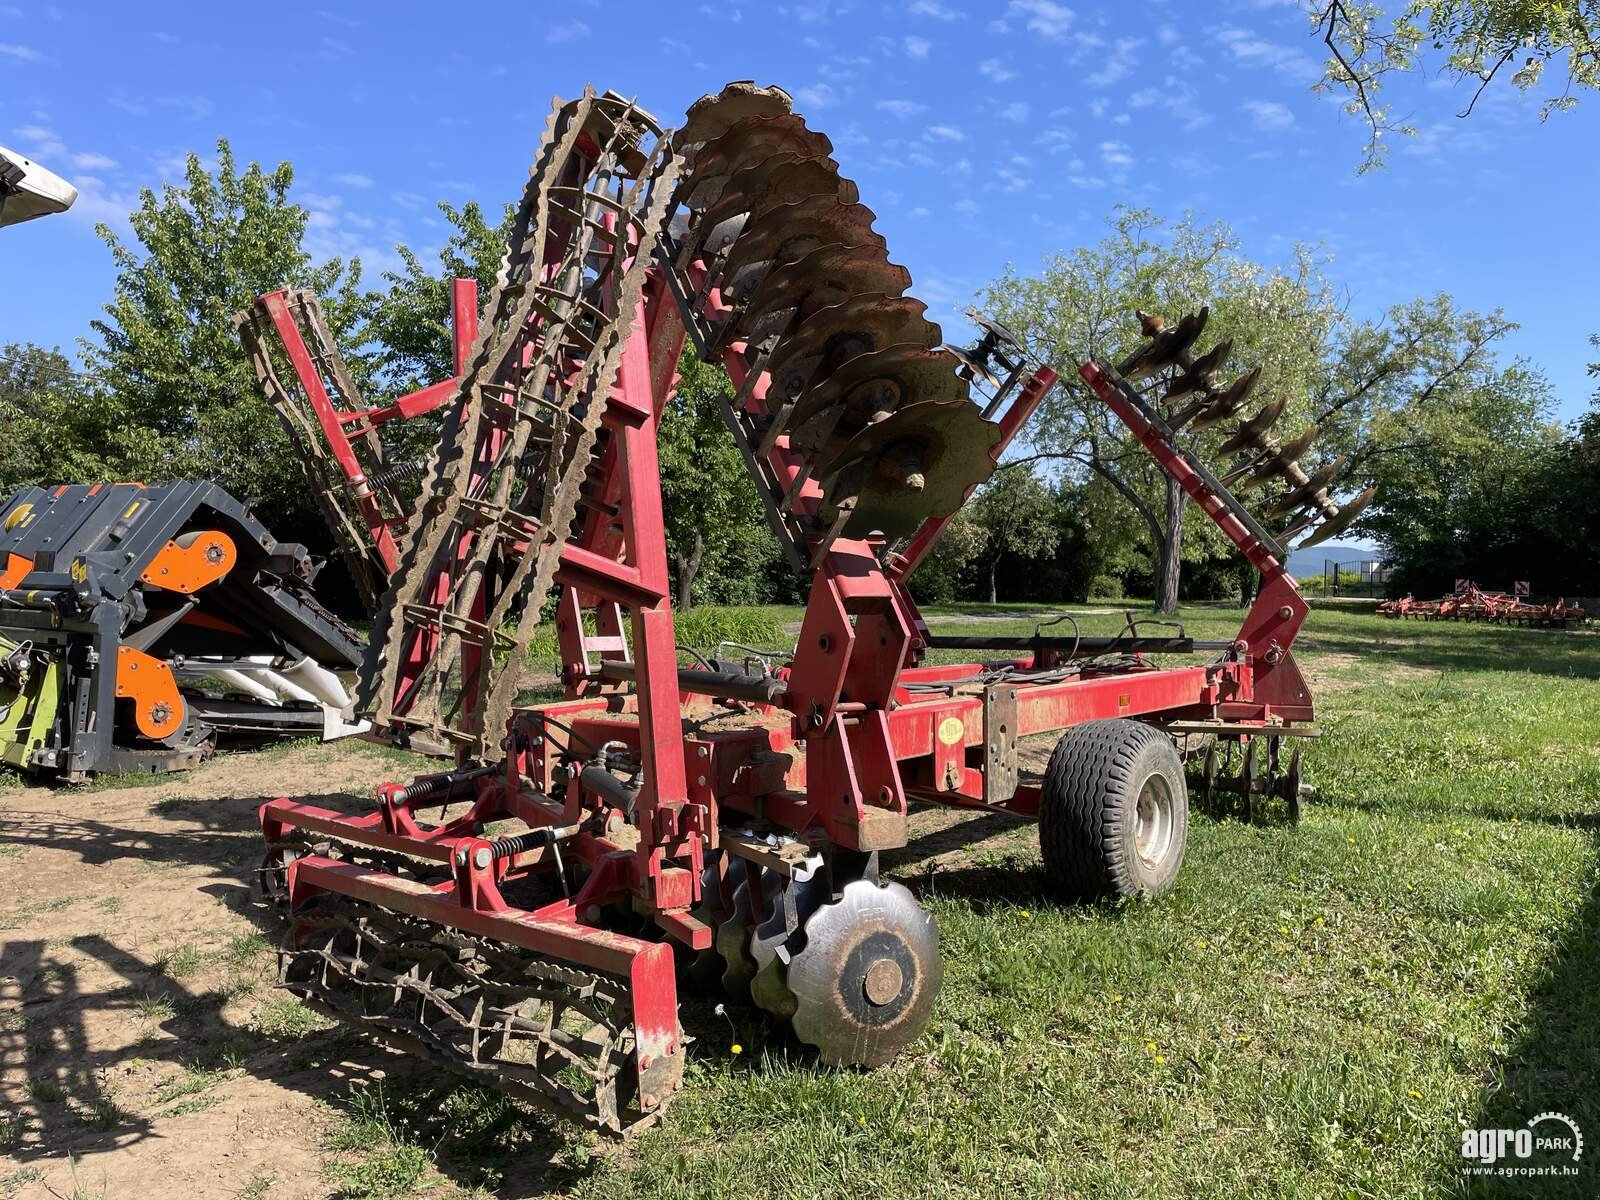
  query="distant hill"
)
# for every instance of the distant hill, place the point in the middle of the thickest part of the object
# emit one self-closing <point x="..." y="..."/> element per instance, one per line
<point x="1305" y="563"/>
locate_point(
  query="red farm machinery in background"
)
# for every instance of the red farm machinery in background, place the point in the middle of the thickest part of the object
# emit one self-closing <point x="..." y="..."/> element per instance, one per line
<point x="721" y="822"/>
<point x="1469" y="602"/>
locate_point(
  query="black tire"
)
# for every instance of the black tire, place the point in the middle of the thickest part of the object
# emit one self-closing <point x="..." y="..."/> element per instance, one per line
<point x="1090" y="830"/>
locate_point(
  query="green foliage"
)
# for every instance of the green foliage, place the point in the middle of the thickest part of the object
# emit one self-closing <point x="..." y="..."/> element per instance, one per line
<point x="720" y="546"/>
<point x="1105" y="587"/>
<point x="1084" y="304"/>
<point x="703" y="627"/>
<point x="168" y="354"/>
<point x="59" y="426"/>
<point x="1479" y="40"/>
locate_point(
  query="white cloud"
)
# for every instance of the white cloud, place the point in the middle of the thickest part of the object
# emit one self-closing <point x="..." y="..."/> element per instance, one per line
<point x="934" y="9"/>
<point x="945" y="133"/>
<point x="1016" y="111"/>
<point x="1254" y="51"/>
<point x="1144" y="98"/>
<point x="966" y="207"/>
<point x="93" y="162"/>
<point x="22" y="53"/>
<point x="351" y="179"/>
<point x="1044" y="17"/>
<point x="996" y="70"/>
<point x="1167" y="35"/>
<point x="1117" y="65"/>
<point x="817" y="96"/>
<point x="1268" y="114"/>
<point x="919" y="212"/>
<point x="1115" y="155"/>
<point x="566" y="31"/>
<point x="902" y="108"/>
<point x="917" y="47"/>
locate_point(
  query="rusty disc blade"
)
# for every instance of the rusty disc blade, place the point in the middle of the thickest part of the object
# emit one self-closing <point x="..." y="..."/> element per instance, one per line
<point x="1230" y="401"/>
<point x="747" y="142"/>
<point x="826" y="277"/>
<point x="830" y="337"/>
<point x="1250" y="432"/>
<point x="715" y="113"/>
<point x="1167" y="343"/>
<point x="789" y="232"/>
<point x="868" y="387"/>
<point x="1307" y="491"/>
<point x="781" y="178"/>
<point x="1342" y="520"/>
<point x="1212" y="359"/>
<point x="917" y="463"/>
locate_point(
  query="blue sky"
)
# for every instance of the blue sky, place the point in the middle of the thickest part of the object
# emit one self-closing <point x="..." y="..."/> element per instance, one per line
<point x="981" y="133"/>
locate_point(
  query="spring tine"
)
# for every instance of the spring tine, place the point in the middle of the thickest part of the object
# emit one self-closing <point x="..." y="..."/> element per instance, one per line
<point x="1229" y="402"/>
<point x="1250" y="432"/>
<point x="1341" y="520"/>
<point x="1316" y="483"/>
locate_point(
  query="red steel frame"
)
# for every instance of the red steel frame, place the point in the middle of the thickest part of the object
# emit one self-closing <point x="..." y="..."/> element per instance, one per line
<point x="839" y="754"/>
<point x="339" y="426"/>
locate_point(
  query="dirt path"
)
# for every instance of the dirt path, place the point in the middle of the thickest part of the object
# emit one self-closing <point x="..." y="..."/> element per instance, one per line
<point x="139" y="1033"/>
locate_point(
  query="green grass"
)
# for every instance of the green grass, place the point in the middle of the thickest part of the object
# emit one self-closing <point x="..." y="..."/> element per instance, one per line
<point x="1312" y="1012"/>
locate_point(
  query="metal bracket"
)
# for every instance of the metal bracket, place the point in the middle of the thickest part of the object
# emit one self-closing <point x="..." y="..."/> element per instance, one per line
<point x="1000" y="772"/>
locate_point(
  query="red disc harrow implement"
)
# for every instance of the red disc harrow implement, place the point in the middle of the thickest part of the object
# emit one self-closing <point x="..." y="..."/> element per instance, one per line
<point x="722" y="822"/>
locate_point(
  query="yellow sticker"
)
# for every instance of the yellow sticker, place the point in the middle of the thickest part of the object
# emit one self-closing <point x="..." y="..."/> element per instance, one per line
<point x="951" y="730"/>
<point x="17" y="515"/>
<point x="79" y="570"/>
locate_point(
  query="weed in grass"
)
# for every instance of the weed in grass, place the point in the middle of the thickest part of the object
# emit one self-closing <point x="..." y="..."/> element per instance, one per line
<point x="192" y="1082"/>
<point x="256" y="1186"/>
<point x="283" y="1017"/>
<point x="393" y="1171"/>
<point x="193" y="1104"/>
<point x="154" y="1007"/>
<point x="181" y="962"/>
<point x="247" y="948"/>
<point x="45" y="1091"/>
<point x="101" y="1115"/>
<point x="8" y="850"/>
<point x="12" y="1126"/>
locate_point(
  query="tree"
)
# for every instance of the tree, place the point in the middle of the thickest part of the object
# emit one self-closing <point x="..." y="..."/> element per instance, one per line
<point x="1017" y="514"/>
<point x="1083" y="305"/>
<point x="1368" y="45"/>
<point x="59" y="427"/>
<point x="167" y="351"/>
<point x="712" y="512"/>
<point x="408" y="323"/>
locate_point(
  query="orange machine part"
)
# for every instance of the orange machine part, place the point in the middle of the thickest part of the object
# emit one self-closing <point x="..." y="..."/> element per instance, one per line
<point x="158" y="708"/>
<point x="16" y="571"/>
<point x="192" y="560"/>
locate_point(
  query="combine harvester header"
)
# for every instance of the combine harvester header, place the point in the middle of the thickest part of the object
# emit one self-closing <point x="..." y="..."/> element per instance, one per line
<point x="138" y="622"/>
<point x="726" y="818"/>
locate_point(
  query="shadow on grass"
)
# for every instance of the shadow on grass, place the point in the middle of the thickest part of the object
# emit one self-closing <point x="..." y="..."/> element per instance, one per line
<point x="1456" y="646"/>
<point x="1553" y="1067"/>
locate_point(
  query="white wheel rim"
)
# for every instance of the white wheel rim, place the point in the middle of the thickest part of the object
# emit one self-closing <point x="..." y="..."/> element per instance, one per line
<point x="1153" y="821"/>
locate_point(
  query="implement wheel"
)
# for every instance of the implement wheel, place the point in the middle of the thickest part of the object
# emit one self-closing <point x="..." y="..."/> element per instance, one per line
<point x="1114" y="811"/>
